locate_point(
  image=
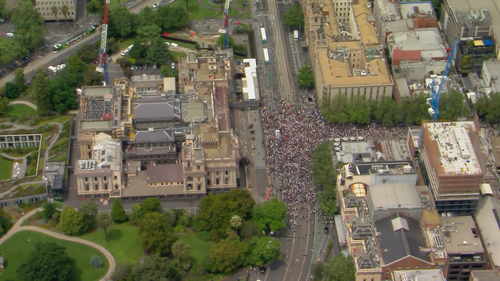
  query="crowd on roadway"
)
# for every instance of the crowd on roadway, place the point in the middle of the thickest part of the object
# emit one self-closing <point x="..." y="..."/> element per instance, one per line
<point x="290" y="134"/>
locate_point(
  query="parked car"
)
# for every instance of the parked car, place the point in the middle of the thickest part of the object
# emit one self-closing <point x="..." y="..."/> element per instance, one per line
<point x="10" y="35"/>
<point x="263" y="270"/>
<point x="2" y="72"/>
<point x="2" y="20"/>
<point x="14" y="66"/>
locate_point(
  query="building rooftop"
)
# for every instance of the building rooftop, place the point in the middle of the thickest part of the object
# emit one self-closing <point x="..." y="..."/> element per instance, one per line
<point x="157" y="110"/>
<point x="165" y="173"/>
<point x="106" y="154"/>
<point x="428" y="41"/>
<point x="418" y="275"/>
<point x="485" y="275"/>
<point x="100" y="107"/>
<point x="401" y="237"/>
<point x="485" y="11"/>
<point x="251" y="81"/>
<point x="457" y="155"/>
<point x="488" y="222"/>
<point x="367" y="30"/>
<point x="388" y="168"/>
<point x="136" y="187"/>
<point x="154" y="135"/>
<point x="493" y="68"/>
<point x="222" y="108"/>
<point x="411" y="8"/>
<point x="394" y="195"/>
<point x="460" y="235"/>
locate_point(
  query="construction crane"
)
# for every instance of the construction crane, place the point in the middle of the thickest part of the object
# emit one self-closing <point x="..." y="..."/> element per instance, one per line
<point x="102" y="66"/>
<point x="433" y="101"/>
<point x="226" y="24"/>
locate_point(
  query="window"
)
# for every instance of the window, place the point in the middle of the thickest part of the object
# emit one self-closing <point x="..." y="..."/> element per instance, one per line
<point x="208" y="181"/>
<point x="105" y="186"/>
<point x="217" y="181"/>
<point x="96" y="187"/>
<point x="198" y="186"/>
<point x="226" y="181"/>
<point x="116" y="177"/>
<point x="86" y="179"/>
<point x="105" y="178"/>
<point x="95" y="178"/>
<point x="227" y="173"/>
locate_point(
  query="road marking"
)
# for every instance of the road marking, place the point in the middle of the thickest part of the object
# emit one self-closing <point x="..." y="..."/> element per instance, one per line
<point x="307" y="245"/>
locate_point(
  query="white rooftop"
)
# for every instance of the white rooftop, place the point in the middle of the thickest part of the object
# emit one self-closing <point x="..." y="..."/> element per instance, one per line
<point x="418" y="275"/>
<point x="455" y="147"/>
<point x="250" y="82"/>
<point x="428" y="41"/>
<point x="410" y="8"/>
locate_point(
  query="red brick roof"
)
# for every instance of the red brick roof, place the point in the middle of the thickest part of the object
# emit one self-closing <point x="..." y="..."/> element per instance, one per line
<point x="401" y="55"/>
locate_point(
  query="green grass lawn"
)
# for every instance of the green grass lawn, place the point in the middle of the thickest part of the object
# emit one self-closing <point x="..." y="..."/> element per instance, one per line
<point x="124" y="242"/>
<point x="5" y="169"/>
<point x="27" y="190"/>
<point x="16" y="250"/>
<point x="178" y="55"/>
<point x="16" y="110"/>
<point x="199" y="248"/>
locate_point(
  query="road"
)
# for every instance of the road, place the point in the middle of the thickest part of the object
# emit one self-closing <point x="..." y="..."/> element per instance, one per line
<point x="17" y="227"/>
<point x="52" y="58"/>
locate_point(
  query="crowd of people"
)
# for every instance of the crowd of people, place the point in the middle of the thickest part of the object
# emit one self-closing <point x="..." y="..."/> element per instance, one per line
<point x="291" y="133"/>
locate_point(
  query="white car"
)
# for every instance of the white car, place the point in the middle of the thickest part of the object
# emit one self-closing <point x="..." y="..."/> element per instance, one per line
<point x="155" y="6"/>
<point x="10" y="34"/>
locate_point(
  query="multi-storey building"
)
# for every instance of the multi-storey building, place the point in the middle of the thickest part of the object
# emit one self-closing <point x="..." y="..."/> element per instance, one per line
<point x="472" y="52"/>
<point x="173" y="143"/>
<point x="346" y="55"/>
<point x="453" y="164"/>
<point x="463" y="19"/>
<point x="44" y="7"/>
<point x="392" y="17"/>
<point x="488" y="222"/>
<point x="490" y="74"/>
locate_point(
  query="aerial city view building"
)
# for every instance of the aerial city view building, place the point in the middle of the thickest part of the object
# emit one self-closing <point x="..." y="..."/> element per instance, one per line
<point x="250" y="140"/>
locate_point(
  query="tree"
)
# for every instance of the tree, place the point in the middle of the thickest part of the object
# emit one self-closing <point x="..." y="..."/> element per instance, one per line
<point x="5" y="222"/>
<point x="156" y="234"/>
<point x="11" y="90"/>
<point x="3" y="9"/>
<point x="235" y="222"/>
<point x="305" y="77"/>
<point x="104" y="220"/>
<point x="87" y="53"/>
<point x="48" y="261"/>
<point x="181" y="250"/>
<point x="95" y="6"/>
<point x="19" y="80"/>
<point x="139" y="51"/>
<point x="158" y="53"/>
<point x="65" y="11"/>
<point x="249" y="229"/>
<point x="137" y="214"/>
<point x="225" y="256"/>
<point x="72" y="222"/>
<point x="184" y="218"/>
<point x="388" y="112"/>
<point x="452" y="106"/>
<point x="96" y="261"/>
<point x="62" y="94"/>
<point x="121" y="22"/>
<point x="488" y="108"/>
<point x="236" y="202"/>
<point x="48" y="210"/>
<point x="340" y="268"/>
<point x="264" y="250"/>
<point x="151" y="204"/>
<point x="149" y="32"/>
<point x="122" y="271"/>
<point x="323" y="172"/>
<point x="416" y="109"/>
<point x="170" y="216"/>
<point x="222" y="40"/>
<point x="155" y="268"/>
<point x="271" y="215"/>
<point x="91" y="77"/>
<point x="89" y="211"/>
<point x="294" y="17"/>
<point x="118" y="213"/>
<point x="55" y="11"/>
<point x="30" y="26"/>
<point x="171" y="18"/>
<point x="168" y="71"/>
<point x="41" y="93"/>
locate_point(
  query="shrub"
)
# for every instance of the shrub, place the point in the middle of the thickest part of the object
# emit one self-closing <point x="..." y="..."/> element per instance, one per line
<point x="179" y="229"/>
<point x="203" y="235"/>
<point x="96" y="261"/>
<point x="118" y="213"/>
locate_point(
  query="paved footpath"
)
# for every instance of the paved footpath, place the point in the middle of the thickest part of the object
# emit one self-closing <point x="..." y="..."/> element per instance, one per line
<point x="17" y="227"/>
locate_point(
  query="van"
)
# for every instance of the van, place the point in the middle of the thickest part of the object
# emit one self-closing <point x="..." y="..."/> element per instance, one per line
<point x="167" y="43"/>
<point x="174" y="45"/>
<point x="124" y="53"/>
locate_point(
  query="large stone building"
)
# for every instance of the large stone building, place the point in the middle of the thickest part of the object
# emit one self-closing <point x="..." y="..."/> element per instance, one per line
<point x="44" y="7"/>
<point x="346" y="55"/>
<point x="453" y="165"/>
<point x="172" y="142"/>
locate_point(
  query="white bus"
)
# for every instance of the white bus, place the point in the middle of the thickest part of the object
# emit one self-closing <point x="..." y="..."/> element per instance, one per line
<point x="296" y="35"/>
<point x="266" y="56"/>
<point x="263" y="35"/>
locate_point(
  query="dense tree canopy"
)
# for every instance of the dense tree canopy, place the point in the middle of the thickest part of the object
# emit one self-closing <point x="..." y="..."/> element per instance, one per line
<point x="340" y="268"/>
<point x="5" y="222"/>
<point x="305" y="77"/>
<point x="156" y="233"/>
<point x="118" y="213"/>
<point x="270" y="215"/>
<point x="30" y="26"/>
<point x="155" y="268"/>
<point x="47" y="262"/>
<point x="158" y="53"/>
<point x="236" y="202"/>
<point x="41" y="93"/>
<point x="294" y="17"/>
<point x="225" y="256"/>
<point x="488" y="108"/>
<point x="264" y="250"/>
<point x="411" y="111"/>
<point x="89" y="211"/>
<point x="72" y="222"/>
<point x="324" y="178"/>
